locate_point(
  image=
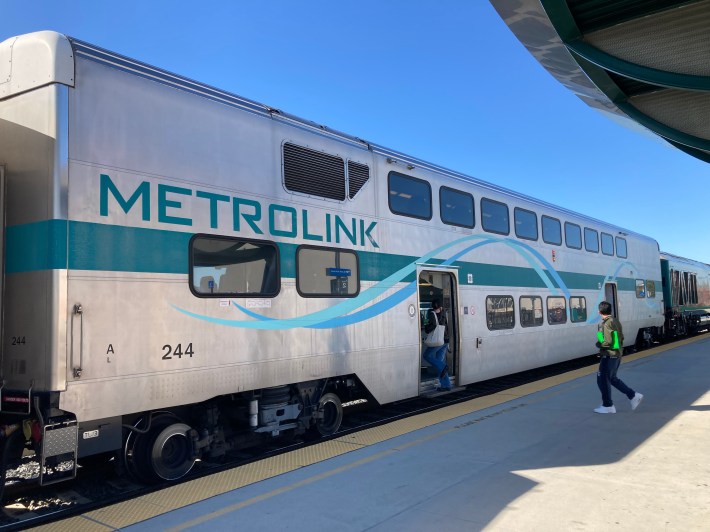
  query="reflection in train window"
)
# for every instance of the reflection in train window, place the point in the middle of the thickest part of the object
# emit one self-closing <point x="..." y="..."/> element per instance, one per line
<point x="494" y="216"/>
<point x="531" y="311"/>
<point x="456" y="207"/>
<point x="556" y="310"/>
<point x="221" y="266"/>
<point x="578" y="309"/>
<point x="326" y="272"/>
<point x="409" y="196"/>
<point x="500" y="312"/>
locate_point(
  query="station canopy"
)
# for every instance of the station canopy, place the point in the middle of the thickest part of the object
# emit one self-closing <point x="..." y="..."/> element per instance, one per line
<point x="647" y="61"/>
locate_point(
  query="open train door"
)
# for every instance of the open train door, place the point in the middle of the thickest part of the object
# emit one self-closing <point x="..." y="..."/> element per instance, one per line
<point x="610" y="296"/>
<point x="442" y="284"/>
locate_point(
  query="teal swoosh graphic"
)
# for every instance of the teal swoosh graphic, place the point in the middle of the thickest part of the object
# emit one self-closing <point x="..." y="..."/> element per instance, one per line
<point x="347" y="313"/>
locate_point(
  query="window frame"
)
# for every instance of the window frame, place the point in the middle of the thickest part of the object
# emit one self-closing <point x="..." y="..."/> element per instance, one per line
<point x="581" y="238"/>
<point x="410" y="178"/>
<point x="564" y="300"/>
<point x="310" y="295"/>
<point x="512" y="313"/>
<point x="601" y="245"/>
<point x="483" y="225"/>
<point x="542" y="310"/>
<point x="542" y="224"/>
<point x="515" y="223"/>
<point x="642" y="293"/>
<point x="226" y="295"/>
<point x="596" y="234"/>
<point x="626" y="249"/>
<point x="462" y="193"/>
<point x="586" y="314"/>
<point x="650" y="288"/>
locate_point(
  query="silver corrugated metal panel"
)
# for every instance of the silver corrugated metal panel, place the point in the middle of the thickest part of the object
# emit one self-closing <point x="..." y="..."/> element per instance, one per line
<point x="677" y="40"/>
<point x="685" y="111"/>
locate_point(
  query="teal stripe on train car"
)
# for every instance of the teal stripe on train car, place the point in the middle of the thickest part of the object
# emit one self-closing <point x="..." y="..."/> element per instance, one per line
<point x="36" y="246"/>
<point x="127" y="249"/>
<point x="58" y="244"/>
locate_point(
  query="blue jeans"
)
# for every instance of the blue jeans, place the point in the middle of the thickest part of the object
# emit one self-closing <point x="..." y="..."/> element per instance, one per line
<point x="606" y="378"/>
<point x="436" y="356"/>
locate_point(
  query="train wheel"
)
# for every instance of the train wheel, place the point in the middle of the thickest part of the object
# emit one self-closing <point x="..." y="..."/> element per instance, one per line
<point x="330" y="414"/>
<point x="164" y="452"/>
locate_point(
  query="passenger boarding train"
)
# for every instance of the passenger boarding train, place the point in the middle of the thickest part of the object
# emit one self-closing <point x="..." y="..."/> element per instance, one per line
<point x="188" y="272"/>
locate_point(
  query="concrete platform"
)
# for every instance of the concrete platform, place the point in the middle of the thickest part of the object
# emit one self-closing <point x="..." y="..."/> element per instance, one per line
<point x="534" y="458"/>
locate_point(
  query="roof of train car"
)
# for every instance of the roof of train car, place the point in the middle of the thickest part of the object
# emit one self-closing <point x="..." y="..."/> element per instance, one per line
<point x="644" y="62"/>
<point x="113" y="59"/>
<point x="678" y="258"/>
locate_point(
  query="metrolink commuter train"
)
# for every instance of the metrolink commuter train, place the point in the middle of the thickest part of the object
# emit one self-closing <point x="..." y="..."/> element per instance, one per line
<point x="189" y="272"/>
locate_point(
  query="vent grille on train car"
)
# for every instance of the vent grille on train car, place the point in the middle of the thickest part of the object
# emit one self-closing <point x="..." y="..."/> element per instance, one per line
<point x="358" y="174"/>
<point x="314" y="173"/>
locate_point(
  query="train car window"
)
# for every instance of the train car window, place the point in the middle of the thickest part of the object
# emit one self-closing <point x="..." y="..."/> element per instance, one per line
<point x="326" y="272"/>
<point x="607" y="244"/>
<point x="556" y="310"/>
<point x="224" y="266"/>
<point x="573" y="236"/>
<point x="551" y="230"/>
<point x="577" y="309"/>
<point x="650" y="288"/>
<point x="409" y="196"/>
<point x="456" y="207"/>
<point x="621" y="247"/>
<point x="525" y="224"/>
<point x="591" y="240"/>
<point x="500" y="312"/>
<point x="640" y="288"/>
<point x="495" y="217"/>
<point x="530" y="311"/>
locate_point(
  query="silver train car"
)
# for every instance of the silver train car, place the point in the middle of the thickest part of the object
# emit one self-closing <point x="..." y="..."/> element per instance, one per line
<point x="188" y="271"/>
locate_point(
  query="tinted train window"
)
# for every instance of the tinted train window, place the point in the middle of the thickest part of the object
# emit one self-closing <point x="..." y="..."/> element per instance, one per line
<point x="530" y="311"/>
<point x="591" y="240"/>
<point x="525" y="224"/>
<point x="221" y="266"/>
<point x="551" y="231"/>
<point x="323" y="272"/>
<point x="650" y="288"/>
<point x="640" y="288"/>
<point x="556" y="310"/>
<point x="456" y="207"/>
<point x="500" y="312"/>
<point x="573" y="236"/>
<point x="494" y="217"/>
<point x="577" y="309"/>
<point x="607" y="244"/>
<point x="409" y="196"/>
<point x="621" y="247"/>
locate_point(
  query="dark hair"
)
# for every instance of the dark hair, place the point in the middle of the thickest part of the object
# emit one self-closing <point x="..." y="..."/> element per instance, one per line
<point x="605" y="308"/>
<point x="435" y="304"/>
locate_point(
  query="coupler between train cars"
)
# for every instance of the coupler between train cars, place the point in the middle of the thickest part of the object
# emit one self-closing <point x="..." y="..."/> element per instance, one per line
<point x="35" y="423"/>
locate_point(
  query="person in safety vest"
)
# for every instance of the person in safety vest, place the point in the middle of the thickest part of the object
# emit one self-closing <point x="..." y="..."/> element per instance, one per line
<point x="610" y="343"/>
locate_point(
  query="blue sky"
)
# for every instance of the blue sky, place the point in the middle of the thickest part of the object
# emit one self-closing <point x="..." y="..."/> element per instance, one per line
<point x="444" y="81"/>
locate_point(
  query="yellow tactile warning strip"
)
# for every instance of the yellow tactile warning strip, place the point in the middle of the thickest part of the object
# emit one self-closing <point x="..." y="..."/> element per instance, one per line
<point x="172" y="498"/>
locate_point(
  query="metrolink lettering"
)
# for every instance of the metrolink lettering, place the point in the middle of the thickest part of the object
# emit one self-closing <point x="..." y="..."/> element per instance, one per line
<point x="278" y="220"/>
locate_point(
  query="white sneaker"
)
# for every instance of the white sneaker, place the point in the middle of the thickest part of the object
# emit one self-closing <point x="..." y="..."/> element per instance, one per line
<point x="605" y="409"/>
<point x="636" y="400"/>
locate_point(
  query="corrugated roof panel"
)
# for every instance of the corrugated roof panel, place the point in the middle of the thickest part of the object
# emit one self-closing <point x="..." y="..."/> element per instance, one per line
<point x="592" y="15"/>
